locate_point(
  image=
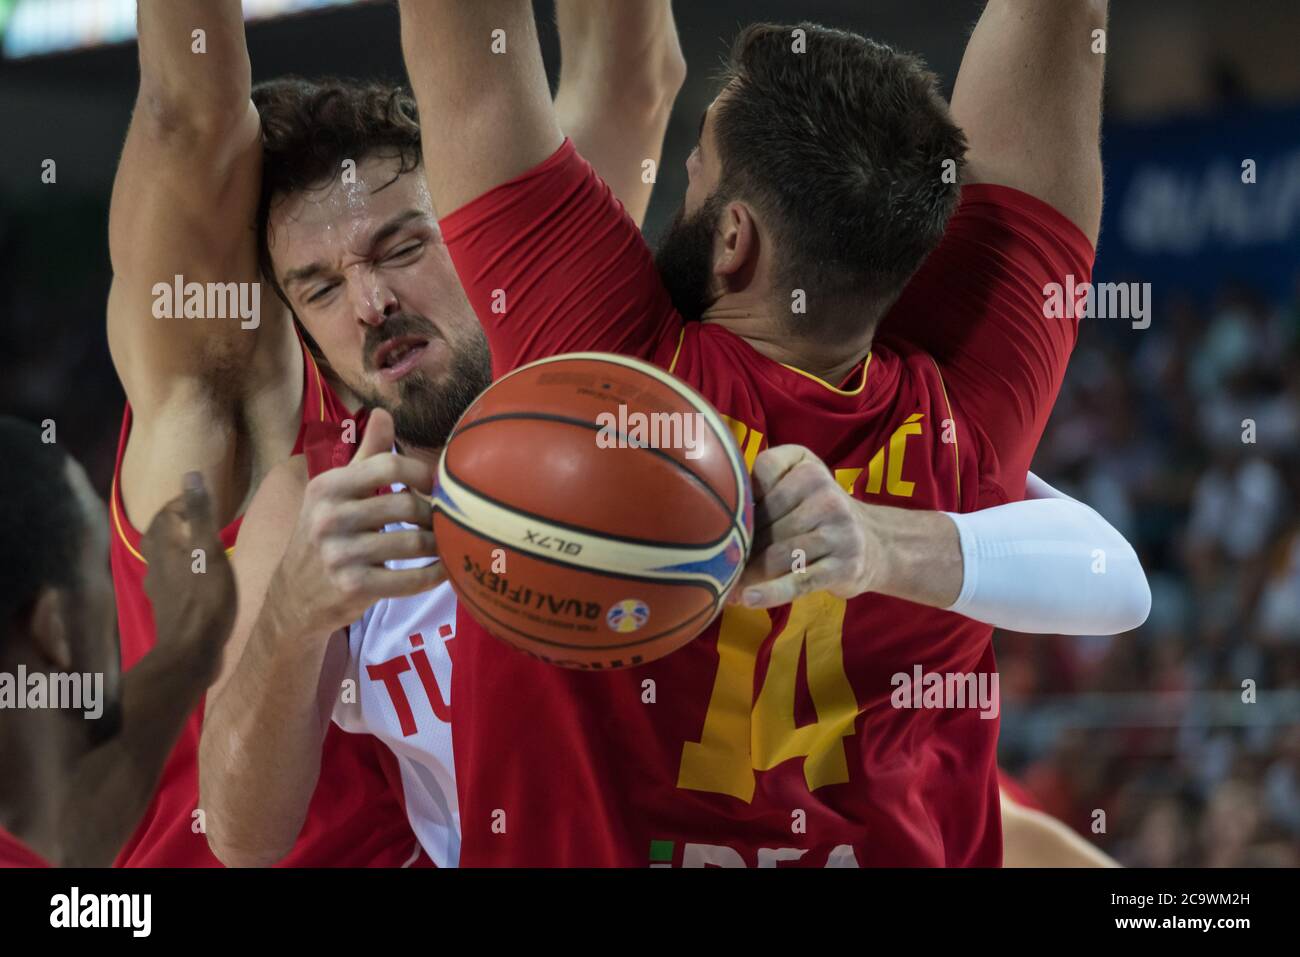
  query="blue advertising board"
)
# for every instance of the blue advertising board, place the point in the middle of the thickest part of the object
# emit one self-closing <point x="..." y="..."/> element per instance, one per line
<point x="1197" y="201"/>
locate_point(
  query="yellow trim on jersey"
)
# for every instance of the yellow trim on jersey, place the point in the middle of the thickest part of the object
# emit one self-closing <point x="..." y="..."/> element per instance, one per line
<point x="320" y="391"/>
<point x="956" y="455"/>
<point x="121" y="532"/>
<point x="320" y="384"/>
<point x="822" y="382"/>
<point x="681" y="337"/>
<point x="117" y="522"/>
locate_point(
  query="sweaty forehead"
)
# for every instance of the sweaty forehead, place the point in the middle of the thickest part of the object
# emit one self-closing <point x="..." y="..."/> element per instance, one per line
<point x="342" y="215"/>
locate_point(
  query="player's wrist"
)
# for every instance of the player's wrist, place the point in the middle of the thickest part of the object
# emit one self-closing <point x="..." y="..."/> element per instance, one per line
<point x="289" y="618"/>
<point x="878" y="574"/>
<point x="911" y="554"/>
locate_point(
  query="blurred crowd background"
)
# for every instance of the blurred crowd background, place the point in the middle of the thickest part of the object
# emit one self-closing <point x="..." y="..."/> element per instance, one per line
<point x="1184" y="434"/>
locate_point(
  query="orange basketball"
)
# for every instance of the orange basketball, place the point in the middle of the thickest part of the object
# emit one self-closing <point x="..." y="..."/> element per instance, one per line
<point x="593" y="511"/>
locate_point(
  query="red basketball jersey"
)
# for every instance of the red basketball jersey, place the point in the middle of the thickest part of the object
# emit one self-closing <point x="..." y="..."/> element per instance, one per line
<point x="777" y="736"/>
<point x="356" y="818"/>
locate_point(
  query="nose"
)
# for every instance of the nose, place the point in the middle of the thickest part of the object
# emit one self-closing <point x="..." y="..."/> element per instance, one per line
<point x="373" y="300"/>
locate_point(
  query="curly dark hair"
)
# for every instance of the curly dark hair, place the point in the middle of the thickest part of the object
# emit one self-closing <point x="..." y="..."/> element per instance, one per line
<point x="309" y="127"/>
<point x="843" y="143"/>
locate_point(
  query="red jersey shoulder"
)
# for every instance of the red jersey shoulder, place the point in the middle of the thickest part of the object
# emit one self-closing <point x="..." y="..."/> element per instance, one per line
<point x="888" y="431"/>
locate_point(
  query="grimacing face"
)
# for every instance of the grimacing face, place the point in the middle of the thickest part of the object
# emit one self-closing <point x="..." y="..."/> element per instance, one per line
<point x="366" y="271"/>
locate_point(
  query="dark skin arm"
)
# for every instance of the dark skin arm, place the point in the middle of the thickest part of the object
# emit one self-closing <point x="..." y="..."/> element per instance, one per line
<point x="110" y="786"/>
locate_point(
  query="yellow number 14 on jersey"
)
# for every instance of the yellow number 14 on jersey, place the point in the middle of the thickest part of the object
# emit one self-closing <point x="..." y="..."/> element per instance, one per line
<point x="743" y="735"/>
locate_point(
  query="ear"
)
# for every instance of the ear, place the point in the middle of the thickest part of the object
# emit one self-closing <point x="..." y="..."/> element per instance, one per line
<point x="737" y="250"/>
<point x="49" y="628"/>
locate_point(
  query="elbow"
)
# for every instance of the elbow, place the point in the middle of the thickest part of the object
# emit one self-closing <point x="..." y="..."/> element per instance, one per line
<point x="235" y="857"/>
<point x="657" y="91"/>
<point x="672" y="74"/>
<point x="1133" y="612"/>
<point x="1131" y="608"/>
<point x="169" y="115"/>
<point x="648" y="91"/>
<point x="231" y="843"/>
<point x="236" y="853"/>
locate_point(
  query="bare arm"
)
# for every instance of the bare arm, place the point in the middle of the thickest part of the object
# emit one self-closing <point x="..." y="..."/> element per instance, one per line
<point x="1028" y="96"/>
<point x="621" y="69"/>
<point x="476" y="69"/>
<point x="184" y="204"/>
<point x="310" y="561"/>
<point x="259" y="756"/>
<point x="111" y="786"/>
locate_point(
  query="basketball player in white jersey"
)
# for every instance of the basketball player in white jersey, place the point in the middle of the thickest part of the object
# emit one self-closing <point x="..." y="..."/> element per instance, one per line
<point x="235" y="394"/>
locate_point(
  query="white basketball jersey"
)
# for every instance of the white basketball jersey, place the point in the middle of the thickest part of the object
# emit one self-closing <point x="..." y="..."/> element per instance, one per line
<point x="401" y="666"/>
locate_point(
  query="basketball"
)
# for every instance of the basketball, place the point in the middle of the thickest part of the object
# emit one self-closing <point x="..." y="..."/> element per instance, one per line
<point x="592" y="511"/>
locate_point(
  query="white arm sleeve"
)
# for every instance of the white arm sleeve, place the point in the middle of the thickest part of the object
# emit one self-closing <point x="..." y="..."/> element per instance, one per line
<point x="1049" y="565"/>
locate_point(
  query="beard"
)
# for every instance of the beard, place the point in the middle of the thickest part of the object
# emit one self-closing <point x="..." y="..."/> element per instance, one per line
<point x="426" y="410"/>
<point x="685" y="258"/>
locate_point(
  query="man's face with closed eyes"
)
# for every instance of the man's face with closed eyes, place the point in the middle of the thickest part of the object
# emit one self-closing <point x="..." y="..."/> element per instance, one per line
<point x="365" y="269"/>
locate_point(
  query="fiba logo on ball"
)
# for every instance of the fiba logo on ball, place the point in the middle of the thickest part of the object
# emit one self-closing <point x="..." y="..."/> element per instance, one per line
<point x="627" y="615"/>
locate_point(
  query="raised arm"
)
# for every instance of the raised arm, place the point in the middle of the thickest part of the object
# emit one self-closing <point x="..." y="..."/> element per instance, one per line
<point x="523" y="213"/>
<point x="476" y="69"/>
<point x="621" y="68"/>
<point x="184" y="203"/>
<point x="1028" y="96"/>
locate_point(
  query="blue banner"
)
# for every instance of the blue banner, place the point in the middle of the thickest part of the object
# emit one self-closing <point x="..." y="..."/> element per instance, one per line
<point x="1194" y="202"/>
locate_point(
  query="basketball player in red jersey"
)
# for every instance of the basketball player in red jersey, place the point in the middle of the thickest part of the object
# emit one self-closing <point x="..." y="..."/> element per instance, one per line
<point x="82" y="747"/>
<point x="228" y="388"/>
<point x="819" y="179"/>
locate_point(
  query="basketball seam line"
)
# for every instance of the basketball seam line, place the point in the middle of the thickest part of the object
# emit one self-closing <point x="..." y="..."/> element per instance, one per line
<point x="732" y="523"/>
